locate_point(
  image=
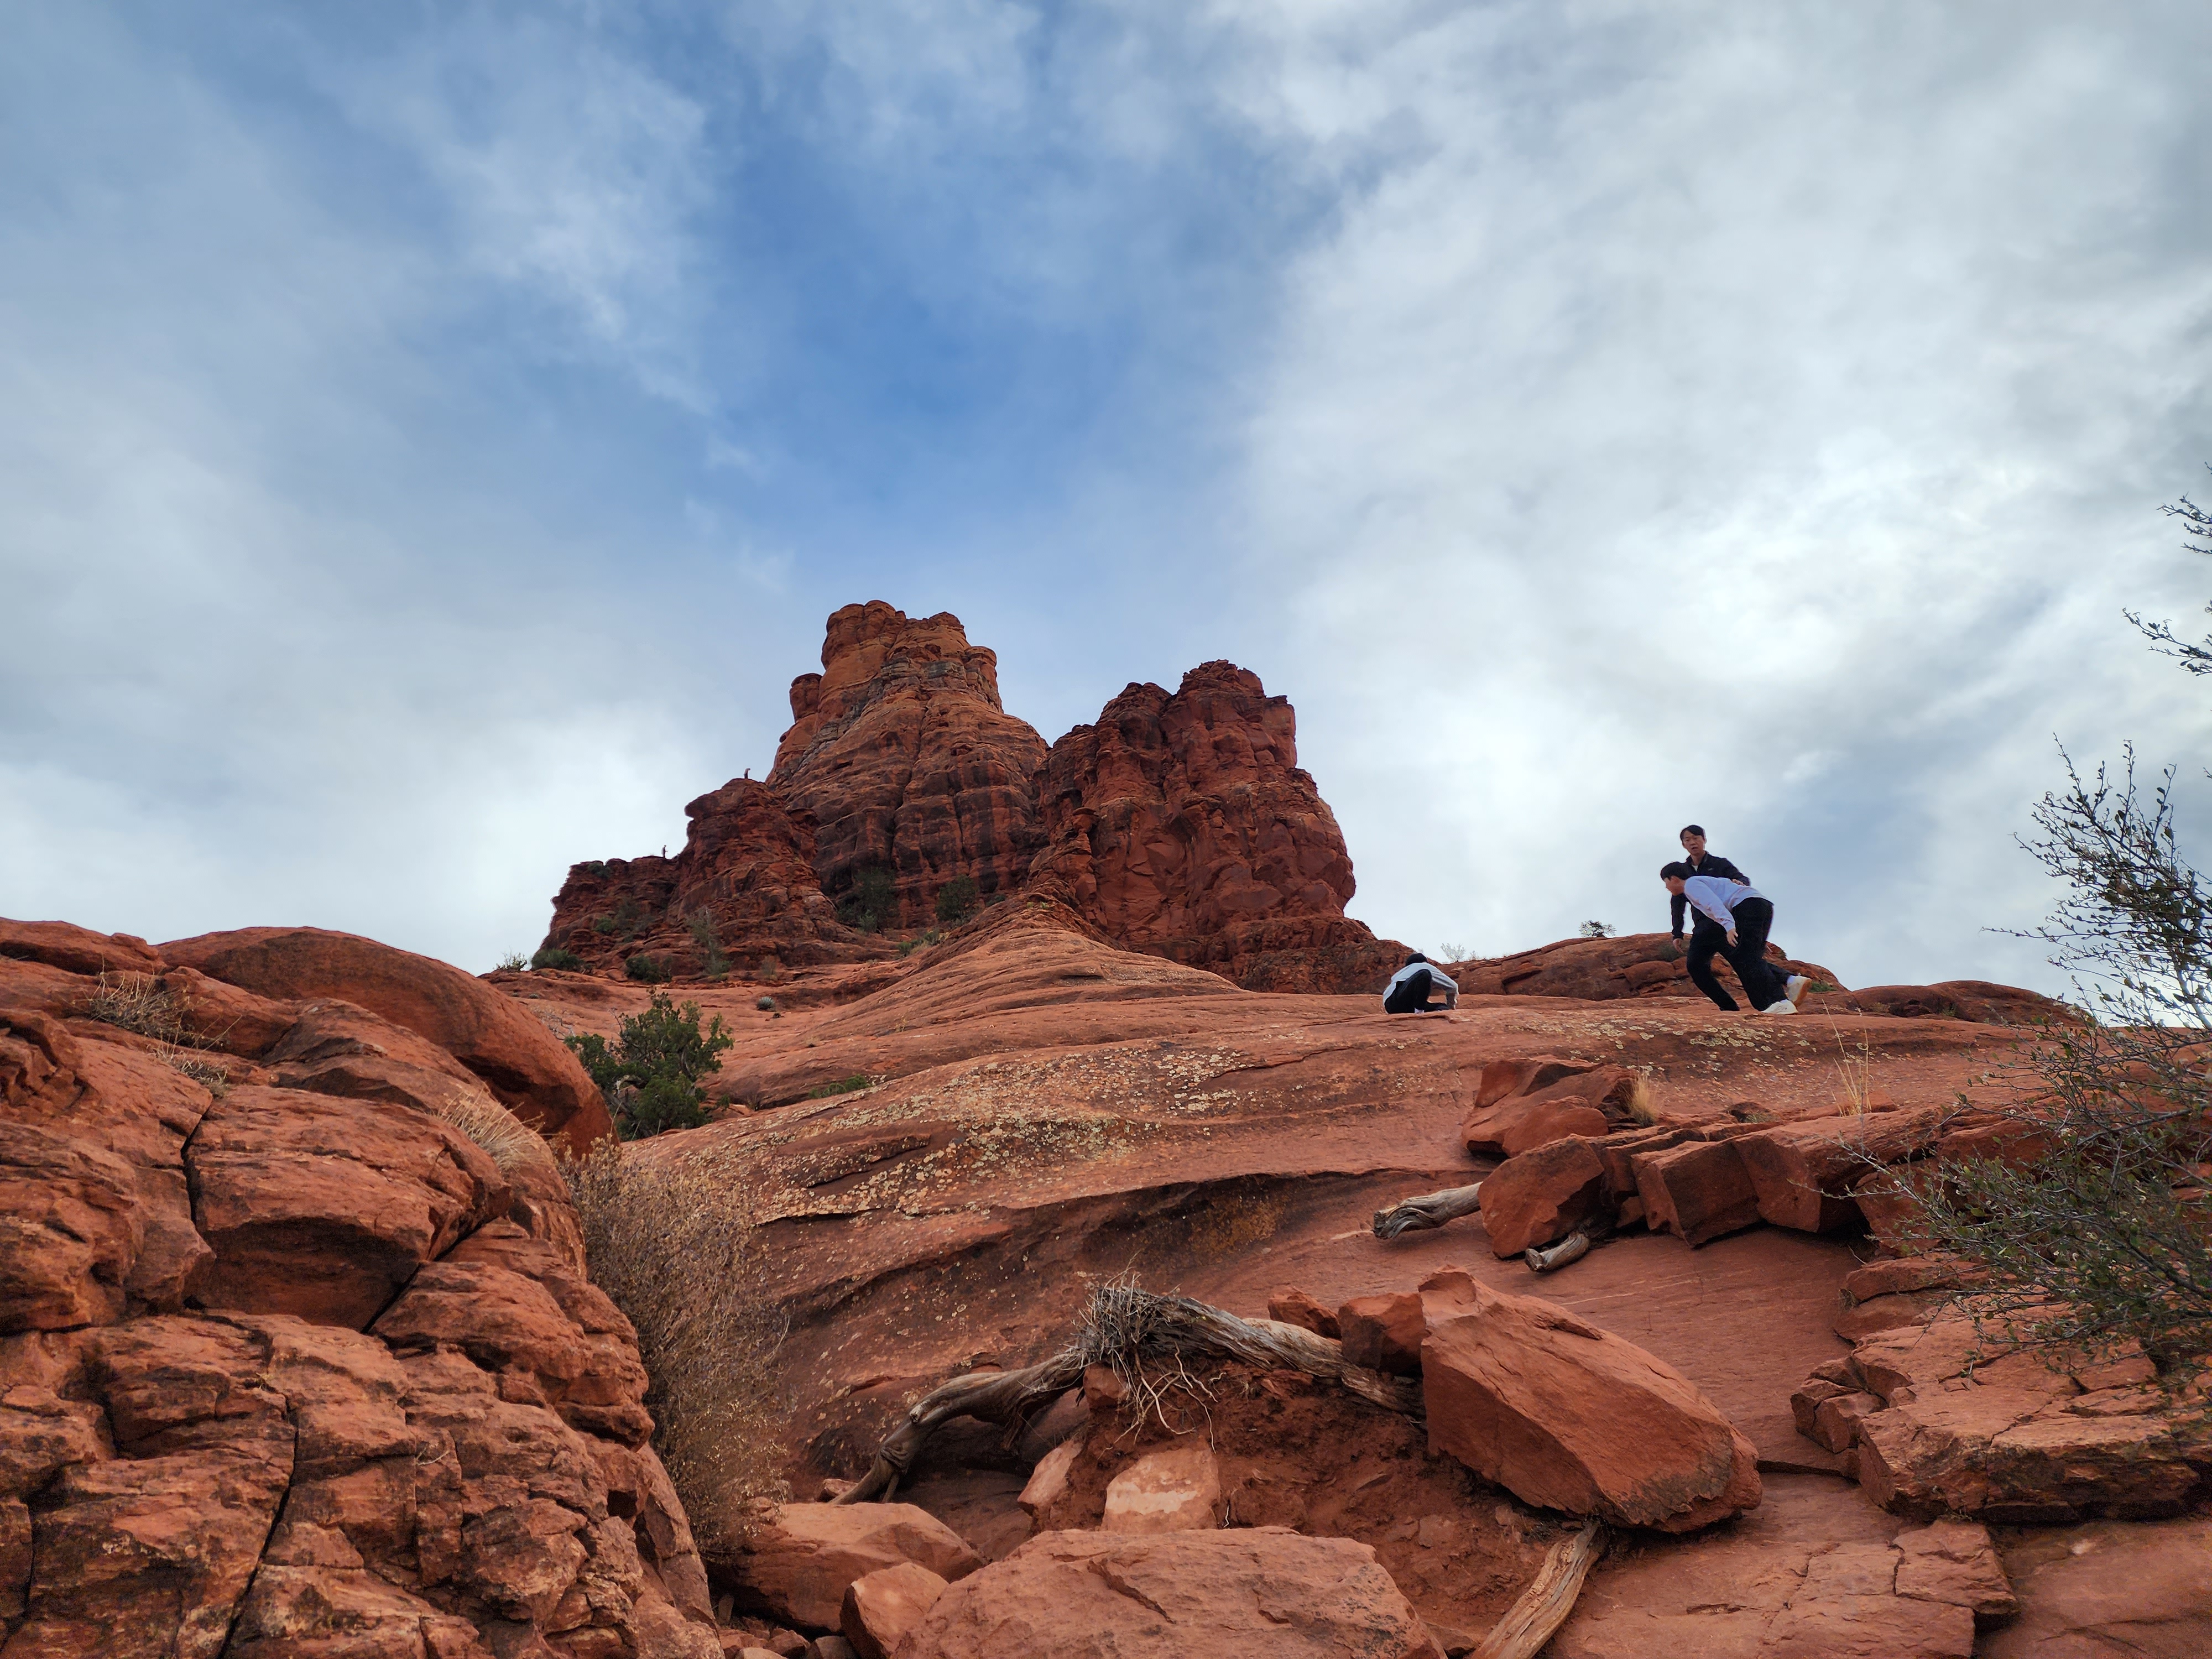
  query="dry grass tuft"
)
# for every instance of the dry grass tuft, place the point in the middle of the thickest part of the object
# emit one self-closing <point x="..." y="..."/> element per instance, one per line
<point x="674" y="1244"/>
<point x="511" y="1144"/>
<point x="136" y="1002"/>
<point x="142" y="1003"/>
<point x="1855" y="1073"/>
<point x="1639" y="1104"/>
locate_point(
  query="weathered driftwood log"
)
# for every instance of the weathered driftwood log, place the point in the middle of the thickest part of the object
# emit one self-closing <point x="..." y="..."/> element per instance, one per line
<point x="1122" y="1328"/>
<point x="1545" y="1605"/>
<point x="1573" y="1248"/>
<point x="1430" y="1210"/>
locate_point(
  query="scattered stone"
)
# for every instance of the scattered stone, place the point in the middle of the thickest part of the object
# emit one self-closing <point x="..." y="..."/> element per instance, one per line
<point x="1954" y="1561"/>
<point x="882" y="1607"/>
<point x="1567" y="1417"/>
<point x="797" y="1565"/>
<point x="1295" y="1307"/>
<point x="1050" y="1479"/>
<point x="1539" y="1197"/>
<point x="1174" y="1489"/>
<point x="1177" y="1595"/>
<point x="1384" y="1333"/>
<point x="1700" y="1190"/>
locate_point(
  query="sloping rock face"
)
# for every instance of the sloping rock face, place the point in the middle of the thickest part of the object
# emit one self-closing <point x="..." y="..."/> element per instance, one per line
<point x="1183" y="825"/>
<point x="290" y="1364"/>
<point x="1607" y="969"/>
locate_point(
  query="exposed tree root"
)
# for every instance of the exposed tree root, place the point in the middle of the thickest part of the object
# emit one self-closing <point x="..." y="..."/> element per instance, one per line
<point x="1123" y="1328"/>
<point x="1430" y="1210"/>
<point x="1542" y="1608"/>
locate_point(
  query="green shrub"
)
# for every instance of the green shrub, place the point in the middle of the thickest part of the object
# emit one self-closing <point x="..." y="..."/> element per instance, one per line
<point x="513" y="963"/>
<point x="629" y="918"/>
<point x="873" y="901"/>
<point x="554" y="955"/>
<point x="646" y="971"/>
<point x="595" y="867"/>
<point x="650" y="1074"/>
<point x="956" y="900"/>
<point x="844" y="1085"/>
<point x="714" y="962"/>
<point x="603" y="924"/>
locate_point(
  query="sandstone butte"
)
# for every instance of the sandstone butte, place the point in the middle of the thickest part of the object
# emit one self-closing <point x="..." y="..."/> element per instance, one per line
<point x="1179" y="824"/>
<point x="290" y="1364"/>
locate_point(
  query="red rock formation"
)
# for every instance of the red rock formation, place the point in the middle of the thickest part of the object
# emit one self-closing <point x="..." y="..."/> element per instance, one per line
<point x="1181" y="825"/>
<point x="291" y="1364"/>
<point x="531" y="1071"/>
<point x="903" y="757"/>
<point x="747" y="866"/>
<point x="1601" y="969"/>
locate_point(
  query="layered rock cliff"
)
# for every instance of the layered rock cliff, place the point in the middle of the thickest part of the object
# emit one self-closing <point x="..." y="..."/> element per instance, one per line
<point x="292" y="1363"/>
<point x="1181" y="825"/>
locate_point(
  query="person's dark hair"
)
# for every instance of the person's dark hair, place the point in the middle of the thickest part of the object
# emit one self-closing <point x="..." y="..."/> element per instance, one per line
<point x="1677" y="870"/>
<point x="1416" y="957"/>
<point x="1689" y="829"/>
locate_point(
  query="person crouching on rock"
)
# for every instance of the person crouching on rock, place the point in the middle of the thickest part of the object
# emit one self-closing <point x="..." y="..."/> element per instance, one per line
<point x="1746" y="914"/>
<point x="1412" y="986"/>
<point x="1705" y="931"/>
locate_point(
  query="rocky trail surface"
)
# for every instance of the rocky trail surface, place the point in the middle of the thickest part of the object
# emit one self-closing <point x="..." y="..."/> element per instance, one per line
<point x="300" y="1354"/>
<point x="1028" y="1112"/>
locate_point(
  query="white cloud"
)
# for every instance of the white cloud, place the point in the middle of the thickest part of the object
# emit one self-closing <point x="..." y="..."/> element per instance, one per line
<point x="1730" y="415"/>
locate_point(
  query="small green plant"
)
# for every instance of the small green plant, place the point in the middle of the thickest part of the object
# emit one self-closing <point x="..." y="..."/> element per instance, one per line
<point x="646" y="971"/>
<point x="956" y="900"/>
<point x="556" y="956"/>
<point x="1597" y="930"/>
<point x="650" y="1074"/>
<point x="713" y="961"/>
<point x="628" y="919"/>
<point x="844" y="1085"/>
<point x="603" y="924"/>
<point x="919" y="941"/>
<point x="595" y="867"/>
<point x="873" y="901"/>
<point x="513" y="963"/>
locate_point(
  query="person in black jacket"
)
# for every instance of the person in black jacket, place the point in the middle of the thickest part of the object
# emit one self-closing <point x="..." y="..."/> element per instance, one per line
<point x="1707" y="938"/>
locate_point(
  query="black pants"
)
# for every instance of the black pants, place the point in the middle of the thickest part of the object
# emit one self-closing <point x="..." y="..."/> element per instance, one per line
<point x="1747" y="956"/>
<point x="1412" y="994"/>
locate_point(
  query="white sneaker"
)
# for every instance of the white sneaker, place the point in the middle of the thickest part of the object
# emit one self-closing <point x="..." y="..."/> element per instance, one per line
<point x="1795" y="987"/>
<point x="1779" y="1008"/>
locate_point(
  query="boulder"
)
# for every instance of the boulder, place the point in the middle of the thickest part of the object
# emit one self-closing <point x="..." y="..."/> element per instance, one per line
<point x="70" y="1231"/>
<point x="798" y="1564"/>
<point x="1176" y="1595"/>
<point x="1177" y="1489"/>
<point x="1637" y="965"/>
<point x="1295" y="1307"/>
<point x="1955" y="1562"/>
<point x="1565" y="1416"/>
<point x="1700" y="1190"/>
<point x="76" y="950"/>
<point x="531" y="1071"/>
<point x="1384" y="1333"/>
<point x="1802" y="1173"/>
<point x="1524" y="1104"/>
<point x="1539" y="1197"/>
<point x="326" y="1208"/>
<point x="882" y="1607"/>
<point x="1049" y="1480"/>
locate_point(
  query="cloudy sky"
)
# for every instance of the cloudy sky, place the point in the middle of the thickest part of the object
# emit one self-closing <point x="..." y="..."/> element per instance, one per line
<point x="431" y="435"/>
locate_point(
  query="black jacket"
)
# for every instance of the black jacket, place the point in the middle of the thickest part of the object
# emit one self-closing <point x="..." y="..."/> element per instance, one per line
<point x="1713" y="864"/>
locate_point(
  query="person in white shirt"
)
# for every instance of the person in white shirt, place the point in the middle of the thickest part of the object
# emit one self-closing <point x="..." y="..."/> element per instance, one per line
<point x="1412" y="986"/>
<point x="1747" y="913"/>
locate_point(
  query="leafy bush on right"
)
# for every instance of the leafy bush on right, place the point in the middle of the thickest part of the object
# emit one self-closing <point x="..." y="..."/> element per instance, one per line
<point x="651" y="1074"/>
<point x="2090" y="1215"/>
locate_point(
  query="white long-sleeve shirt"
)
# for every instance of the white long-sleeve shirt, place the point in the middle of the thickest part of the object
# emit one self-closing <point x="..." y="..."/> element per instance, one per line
<point x="1438" y="981"/>
<point x="1717" y="897"/>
